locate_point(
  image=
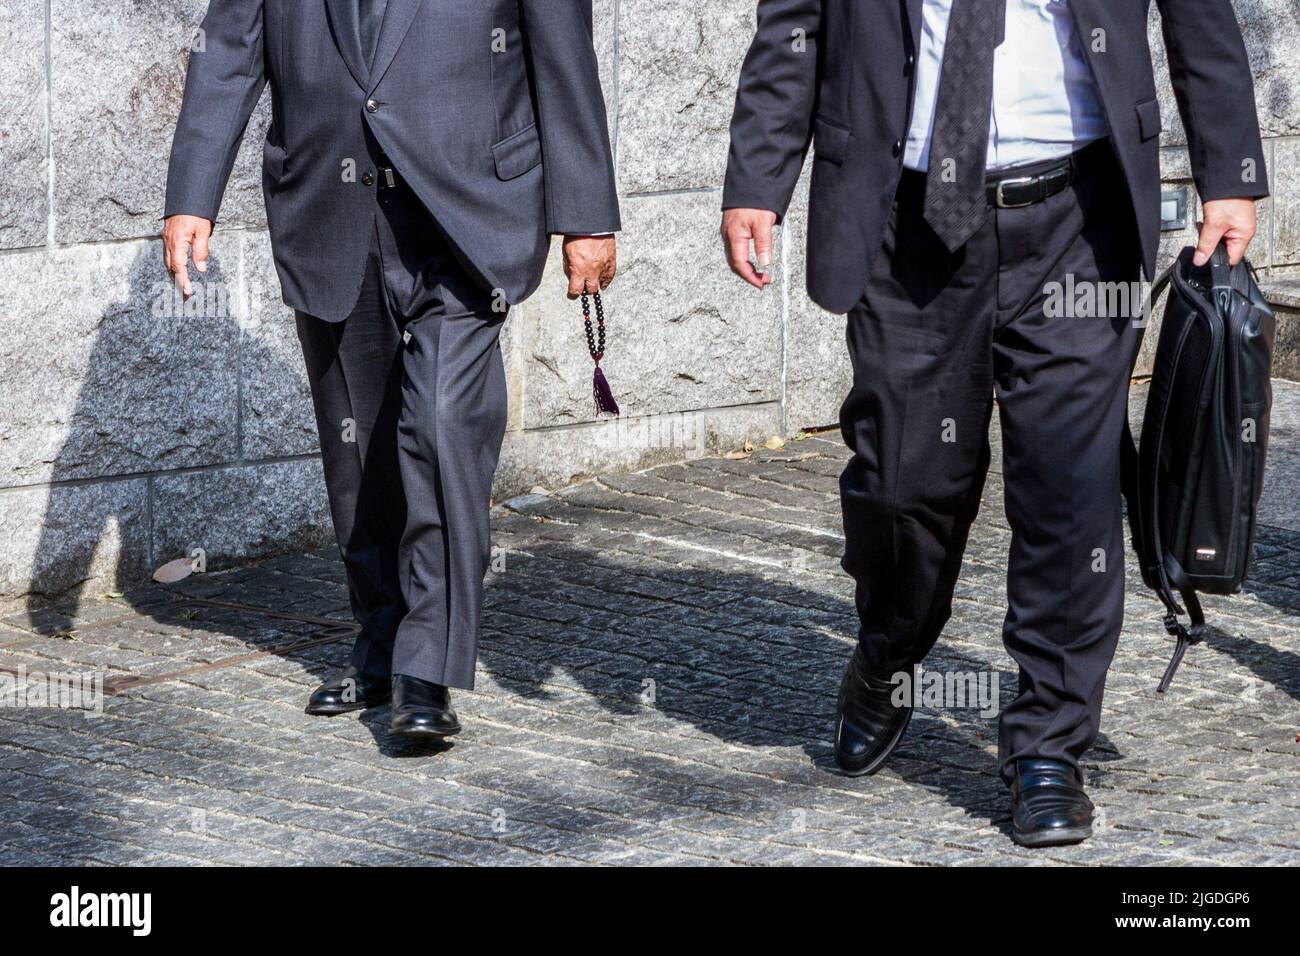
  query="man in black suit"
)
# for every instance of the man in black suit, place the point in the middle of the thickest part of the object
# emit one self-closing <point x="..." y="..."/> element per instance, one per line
<point x="420" y="157"/>
<point x="970" y="156"/>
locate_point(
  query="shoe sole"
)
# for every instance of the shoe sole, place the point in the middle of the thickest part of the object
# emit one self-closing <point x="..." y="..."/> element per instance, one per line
<point x="1063" y="836"/>
<point x="884" y="755"/>
<point x="341" y="709"/>
<point x="424" y="733"/>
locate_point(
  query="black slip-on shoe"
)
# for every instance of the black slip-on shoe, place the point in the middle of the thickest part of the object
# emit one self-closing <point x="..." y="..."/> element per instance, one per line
<point x="347" y="692"/>
<point x="1050" y="807"/>
<point x="868" y="723"/>
<point x="422" y="709"/>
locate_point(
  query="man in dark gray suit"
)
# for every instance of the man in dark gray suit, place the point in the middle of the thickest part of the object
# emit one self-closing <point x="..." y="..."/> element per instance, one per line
<point x="971" y="156"/>
<point x="421" y="155"/>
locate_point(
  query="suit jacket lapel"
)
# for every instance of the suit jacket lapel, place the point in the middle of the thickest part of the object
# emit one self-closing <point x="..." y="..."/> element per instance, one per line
<point x="1086" y="18"/>
<point x="1090" y="16"/>
<point x="914" y="22"/>
<point x="397" y="21"/>
<point x="347" y="36"/>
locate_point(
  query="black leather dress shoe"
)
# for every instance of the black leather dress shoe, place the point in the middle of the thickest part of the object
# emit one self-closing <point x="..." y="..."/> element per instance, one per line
<point x="422" y="709"/>
<point x="1051" y="808"/>
<point x="347" y="692"/>
<point x="868" y="725"/>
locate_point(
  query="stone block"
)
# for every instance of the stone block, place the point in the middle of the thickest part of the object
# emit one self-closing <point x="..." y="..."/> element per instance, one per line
<point x="24" y="189"/>
<point x="118" y="72"/>
<point x="276" y="416"/>
<point x="105" y="372"/>
<point x="73" y="536"/>
<point x="238" y="513"/>
<point x="683" y="332"/>
<point x="678" y="66"/>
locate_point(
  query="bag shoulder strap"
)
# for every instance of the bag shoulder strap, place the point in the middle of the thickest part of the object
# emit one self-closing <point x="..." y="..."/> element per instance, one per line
<point x="1169" y="575"/>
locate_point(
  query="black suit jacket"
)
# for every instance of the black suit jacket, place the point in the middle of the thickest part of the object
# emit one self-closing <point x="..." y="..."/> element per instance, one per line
<point x="840" y="74"/>
<point x="491" y="109"/>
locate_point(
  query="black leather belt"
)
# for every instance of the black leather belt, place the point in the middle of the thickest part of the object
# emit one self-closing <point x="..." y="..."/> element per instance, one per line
<point x="1011" y="192"/>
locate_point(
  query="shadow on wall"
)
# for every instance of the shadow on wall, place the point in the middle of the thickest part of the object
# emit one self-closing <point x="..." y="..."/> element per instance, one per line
<point x="152" y="465"/>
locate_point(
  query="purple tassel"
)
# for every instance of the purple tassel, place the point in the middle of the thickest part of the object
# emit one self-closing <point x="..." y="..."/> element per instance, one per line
<point x="600" y="390"/>
<point x="605" y="404"/>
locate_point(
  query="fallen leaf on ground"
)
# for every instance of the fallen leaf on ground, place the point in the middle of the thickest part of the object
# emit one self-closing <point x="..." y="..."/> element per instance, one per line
<point x="174" y="571"/>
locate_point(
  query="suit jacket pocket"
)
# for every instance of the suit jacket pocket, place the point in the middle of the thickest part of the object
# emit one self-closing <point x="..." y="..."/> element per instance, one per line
<point x="830" y="140"/>
<point x="273" y="160"/>
<point x="1148" y="119"/>
<point x="518" y="153"/>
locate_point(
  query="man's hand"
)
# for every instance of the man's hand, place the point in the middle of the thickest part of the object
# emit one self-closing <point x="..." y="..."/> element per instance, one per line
<point x="1233" y="221"/>
<point x="739" y="227"/>
<point x="180" y="235"/>
<point x="590" y="263"/>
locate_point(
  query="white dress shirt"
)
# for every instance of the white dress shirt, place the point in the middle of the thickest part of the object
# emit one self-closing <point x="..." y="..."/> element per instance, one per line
<point x="1045" y="99"/>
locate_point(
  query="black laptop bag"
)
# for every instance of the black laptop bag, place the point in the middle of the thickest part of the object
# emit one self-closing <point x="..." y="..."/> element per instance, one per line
<point x="1193" y="483"/>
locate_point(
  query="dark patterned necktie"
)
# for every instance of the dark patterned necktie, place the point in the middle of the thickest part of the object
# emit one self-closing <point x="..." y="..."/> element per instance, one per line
<point x="955" y="203"/>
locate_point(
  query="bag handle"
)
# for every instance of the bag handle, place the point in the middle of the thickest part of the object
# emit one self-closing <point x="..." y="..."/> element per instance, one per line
<point x="1221" y="278"/>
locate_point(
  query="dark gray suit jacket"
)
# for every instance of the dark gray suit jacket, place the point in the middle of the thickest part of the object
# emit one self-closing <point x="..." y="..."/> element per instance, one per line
<point x="848" y="90"/>
<point x="491" y="109"/>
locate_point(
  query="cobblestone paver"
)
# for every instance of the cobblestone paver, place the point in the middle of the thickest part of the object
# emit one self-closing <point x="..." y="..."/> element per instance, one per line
<point x="659" y="665"/>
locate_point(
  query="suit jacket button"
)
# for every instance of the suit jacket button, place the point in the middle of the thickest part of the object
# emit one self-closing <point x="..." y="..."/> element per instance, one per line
<point x="897" y="147"/>
<point x="372" y="106"/>
<point x="368" y="179"/>
<point x="907" y="67"/>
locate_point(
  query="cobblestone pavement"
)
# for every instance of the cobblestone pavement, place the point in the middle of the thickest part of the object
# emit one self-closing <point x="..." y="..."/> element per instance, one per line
<point x="658" y="673"/>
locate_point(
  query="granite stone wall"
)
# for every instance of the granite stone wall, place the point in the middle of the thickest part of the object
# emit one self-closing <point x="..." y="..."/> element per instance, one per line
<point x="134" y="429"/>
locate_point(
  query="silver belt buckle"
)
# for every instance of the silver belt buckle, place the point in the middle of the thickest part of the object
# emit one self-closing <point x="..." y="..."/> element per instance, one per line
<point x="1001" y="203"/>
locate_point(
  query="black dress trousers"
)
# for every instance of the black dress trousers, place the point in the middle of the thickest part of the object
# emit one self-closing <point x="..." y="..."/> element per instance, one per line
<point x="410" y="399"/>
<point x="936" y="335"/>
